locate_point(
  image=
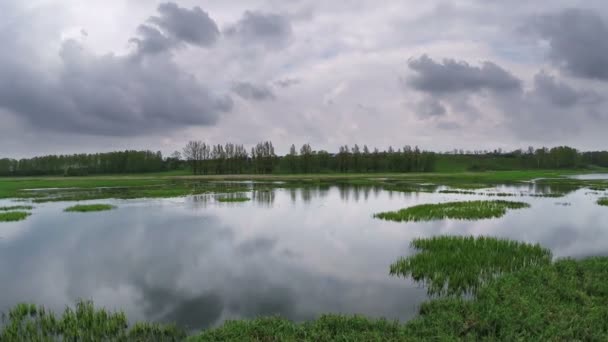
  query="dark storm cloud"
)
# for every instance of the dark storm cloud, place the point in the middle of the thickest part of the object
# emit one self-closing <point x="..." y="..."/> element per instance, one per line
<point x="266" y="29"/>
<point x="577" y="41"/>
<point x="457" y="76"/>
<point x="250" y="91"/>
<point x="174" y="27"/>
<point x="134" y="94"/>
<point x="192" y="26"/>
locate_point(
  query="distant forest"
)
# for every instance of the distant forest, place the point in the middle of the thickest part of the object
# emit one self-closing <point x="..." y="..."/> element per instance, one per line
<point x="202" y="159"/>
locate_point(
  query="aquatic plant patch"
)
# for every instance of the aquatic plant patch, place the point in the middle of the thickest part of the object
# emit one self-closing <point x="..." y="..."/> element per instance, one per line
<point x="86" y="208"/>
<point x="467" y="210"/>
<point x="455" y="265"/>
<point x="17" y="207"/>
<point x="13" y="216"/>
<point x="233" y="199"/>
<point x="603" y="201"/>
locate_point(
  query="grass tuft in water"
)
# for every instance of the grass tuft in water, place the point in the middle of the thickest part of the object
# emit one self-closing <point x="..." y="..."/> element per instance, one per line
<point x="17" y="207"/>
<point x="603" y="201"/>
<point x="86" y="208"/>
<point x="233" y="199"/>
<point x="14" y="216"/>
<point x="28" y="322"/>
<point x="468" y="210"/>
<point x="454" y="265"/>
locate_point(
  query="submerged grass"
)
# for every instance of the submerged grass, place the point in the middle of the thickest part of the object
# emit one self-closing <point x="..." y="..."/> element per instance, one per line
<point x="17" y="207"/>
<point x="468" y="210"/>
<point x="86" y="208"/>
<point x="13" y="216"/>
<point x="603" y="201"/>
<point x="451" y="265"/>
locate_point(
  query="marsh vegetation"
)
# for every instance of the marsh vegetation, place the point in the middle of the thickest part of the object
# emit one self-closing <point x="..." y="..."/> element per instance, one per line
<point x="13" y="216"/>
<point x="603" y="201"/>
<point x="17" y="207"/>
<point x="234" y="199"/>
<point x="450" y="265"/>
<point x="86" y="208"/>
<point x="467" y="210"/>
<point x="28" y="322"/>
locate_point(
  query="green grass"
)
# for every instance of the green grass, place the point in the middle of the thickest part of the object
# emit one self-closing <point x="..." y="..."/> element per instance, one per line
<point x="13" y="216"/>
<point x="86" y="208"/>
<point x="603" y="201"/>
<point x="27" y="322"/>
<point x="565" y="301"/>
<point x="467" y="210"/>
<point x="458" y="265"/>
<point x="233" y="199"/>
<point x="17" y="207"/>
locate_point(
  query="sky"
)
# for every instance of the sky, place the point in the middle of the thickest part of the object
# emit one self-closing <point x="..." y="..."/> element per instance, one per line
<point x="102" y="75"/>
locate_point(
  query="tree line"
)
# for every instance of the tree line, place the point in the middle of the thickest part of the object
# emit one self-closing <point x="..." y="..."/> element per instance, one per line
<point x="202" y="159"/>
<point x="85" y="164"/>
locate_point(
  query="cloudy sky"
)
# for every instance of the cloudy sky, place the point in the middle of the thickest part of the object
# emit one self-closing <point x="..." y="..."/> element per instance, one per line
<point x="100" y="75"/>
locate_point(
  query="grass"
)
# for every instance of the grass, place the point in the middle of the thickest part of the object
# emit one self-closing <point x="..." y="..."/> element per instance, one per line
<point x="17" y="207"/>
<point x="603" y="201"/>
<point x="467" y="210"/>
<point x="27" y="322"/>
<point x="86" y="208"/>
<point x="14" y="216"/>
<point x="459" y="265"/>
<point x="233" y="199"/>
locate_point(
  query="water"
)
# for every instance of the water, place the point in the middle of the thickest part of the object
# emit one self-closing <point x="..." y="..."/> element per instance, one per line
<point x="295" y="252"/>
<point x="592" y="176"/>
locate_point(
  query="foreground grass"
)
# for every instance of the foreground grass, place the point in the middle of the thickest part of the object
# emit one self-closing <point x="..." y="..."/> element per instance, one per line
<point x="454" y="265"/>
<point x="603" y="201"/>
<point x="13" y="216"/>
<point x="532" y="300"/>
<point x="89" y="208"/>
<point x="84" y="323"/>
<point x="468" y="210"/>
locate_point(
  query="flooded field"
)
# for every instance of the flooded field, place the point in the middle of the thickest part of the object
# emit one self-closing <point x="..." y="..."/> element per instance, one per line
<point x="298" y="252"/>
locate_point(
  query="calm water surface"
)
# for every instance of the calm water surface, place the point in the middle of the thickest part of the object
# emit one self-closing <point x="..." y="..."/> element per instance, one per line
<point x="296" y="253"/>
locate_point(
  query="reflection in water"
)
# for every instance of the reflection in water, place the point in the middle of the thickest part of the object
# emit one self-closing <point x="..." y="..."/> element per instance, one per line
<point x="199" y="262"/>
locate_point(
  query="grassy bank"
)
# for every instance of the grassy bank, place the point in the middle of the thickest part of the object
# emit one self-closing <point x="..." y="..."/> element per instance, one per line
<point x="467" y="210"/>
